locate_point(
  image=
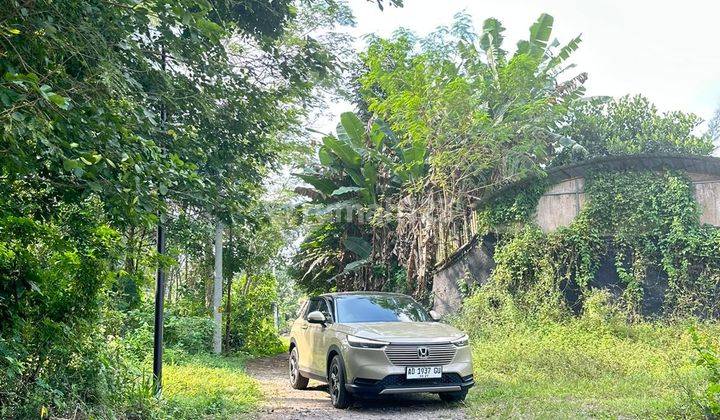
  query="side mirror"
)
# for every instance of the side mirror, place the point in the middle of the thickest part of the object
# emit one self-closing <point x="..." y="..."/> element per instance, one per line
<point x="316" y="317"/>
<point x="434" y="315"/>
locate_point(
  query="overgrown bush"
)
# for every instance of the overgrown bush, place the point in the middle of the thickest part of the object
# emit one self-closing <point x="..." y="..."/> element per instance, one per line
<point x="53" y="347"/>
<point x="645" y="221"/>
<point x="192" y="334"/>
<point x="601" y="311"/>
<point x="251" y="317"/>
<point x="486" y="308"/>
<point x="708" y="357"/>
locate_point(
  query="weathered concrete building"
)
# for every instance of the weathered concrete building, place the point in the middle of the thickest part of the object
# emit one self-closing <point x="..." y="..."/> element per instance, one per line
<point x="560" y="205"/>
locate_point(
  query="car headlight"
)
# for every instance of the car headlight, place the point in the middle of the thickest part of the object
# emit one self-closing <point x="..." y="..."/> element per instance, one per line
<point x="462" y="341"/>
<point x="365" y="343"/>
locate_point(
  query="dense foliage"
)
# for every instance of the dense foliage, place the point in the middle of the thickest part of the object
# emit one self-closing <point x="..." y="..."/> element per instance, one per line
<point x="116" y="116"/>
<point x="708" y="357"/>
<point x="251" y="320"/>
<point x="361" y="174"/>
<point x="646" y="223"/>
<point x="632" y="125"/>
<point x="463" y="117"/>
<point x="54" y="278"/>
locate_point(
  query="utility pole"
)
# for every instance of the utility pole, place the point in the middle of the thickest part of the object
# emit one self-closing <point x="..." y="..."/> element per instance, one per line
<point x="217" y="290"/>
<point x="159" y="304"/>
<point x="228" y="303"/>
<point x="160" y="277"/>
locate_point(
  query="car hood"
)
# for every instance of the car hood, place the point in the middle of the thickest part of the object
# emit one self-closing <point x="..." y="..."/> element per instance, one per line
<point x="404" y="332"/>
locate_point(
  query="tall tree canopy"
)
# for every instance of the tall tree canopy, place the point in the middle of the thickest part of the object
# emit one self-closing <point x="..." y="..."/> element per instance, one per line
<point x="467" y="115"/>
<point x="631" y="125"/>
<point x="115" y="112"/>
<point x="152" y="102"/>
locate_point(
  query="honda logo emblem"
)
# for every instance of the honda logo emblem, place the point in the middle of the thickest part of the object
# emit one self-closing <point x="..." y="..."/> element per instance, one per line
<point x="423" y="352"/>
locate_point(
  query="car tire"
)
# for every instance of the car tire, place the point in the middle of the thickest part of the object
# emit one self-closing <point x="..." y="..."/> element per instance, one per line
<point x="453" y="397"/>
<point x="296" y="379"/>
<point x="339" y="396"/>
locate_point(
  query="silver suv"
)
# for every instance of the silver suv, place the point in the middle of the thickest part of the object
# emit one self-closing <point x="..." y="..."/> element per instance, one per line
<point x="370" y="343"/>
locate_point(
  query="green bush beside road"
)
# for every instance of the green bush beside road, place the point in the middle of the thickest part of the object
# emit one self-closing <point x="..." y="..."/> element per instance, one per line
<point x="592" y="366"/>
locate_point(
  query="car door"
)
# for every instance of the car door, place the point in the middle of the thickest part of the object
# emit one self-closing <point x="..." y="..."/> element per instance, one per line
<point x="317" y="334"/>
<point x="303" y="338"/>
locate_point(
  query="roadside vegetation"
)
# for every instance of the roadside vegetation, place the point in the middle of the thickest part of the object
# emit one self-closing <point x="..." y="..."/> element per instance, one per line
<point x="209" y="386"/>
<point x="198" y="384"/>
<point x="118" y="117"/>
<point x="121" y="116"/>
<point x="595" y="365"/>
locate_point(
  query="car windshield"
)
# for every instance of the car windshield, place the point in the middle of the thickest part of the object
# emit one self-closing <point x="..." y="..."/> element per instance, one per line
<point x="379" y="308"/>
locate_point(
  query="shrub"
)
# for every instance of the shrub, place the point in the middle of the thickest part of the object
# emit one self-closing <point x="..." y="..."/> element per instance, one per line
<point x="708" y="356"/>
<point x="600" y="311"/>
<point x="192" y="334"/>
<point x="54" y="351"/>
<point x="487" y="307"/>
<point x="251" y="318"/>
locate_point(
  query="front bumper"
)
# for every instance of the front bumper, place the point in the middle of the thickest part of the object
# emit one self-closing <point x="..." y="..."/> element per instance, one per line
<point x="374" y="364"/>
<point x="370" y="372"/>
<point x="397" y="384"/>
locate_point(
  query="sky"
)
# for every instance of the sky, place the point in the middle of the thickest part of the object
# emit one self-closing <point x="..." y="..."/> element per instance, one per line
<point x="666" y="50"/>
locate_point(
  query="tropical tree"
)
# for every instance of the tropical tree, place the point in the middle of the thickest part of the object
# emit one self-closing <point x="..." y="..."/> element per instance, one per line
<point x="114" y="115"/>
<point x="486" y="117"/>
<point x="355" y="186"/>
<point x="631" y="125"/>
<point x="463" y="118"/>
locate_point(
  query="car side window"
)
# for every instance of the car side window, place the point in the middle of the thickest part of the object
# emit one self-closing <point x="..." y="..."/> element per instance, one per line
<point x="331" y="307"/>
<point x="311" y="307"/>
<point x="323" y="308"/>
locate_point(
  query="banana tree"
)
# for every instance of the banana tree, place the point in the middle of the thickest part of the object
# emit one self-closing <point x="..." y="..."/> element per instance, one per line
<point x="487" y="116"/>
<point x="360" y="173"/>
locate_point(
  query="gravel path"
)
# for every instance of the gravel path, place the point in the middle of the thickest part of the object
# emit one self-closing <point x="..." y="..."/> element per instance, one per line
<point x="284" y="402"/>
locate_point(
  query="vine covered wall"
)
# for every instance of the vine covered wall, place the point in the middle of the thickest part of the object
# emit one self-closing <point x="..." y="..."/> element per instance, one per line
<point x="646" y="225"/>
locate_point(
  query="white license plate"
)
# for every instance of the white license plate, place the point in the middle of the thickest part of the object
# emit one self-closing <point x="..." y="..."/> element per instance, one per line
<point x="423" y="372"/>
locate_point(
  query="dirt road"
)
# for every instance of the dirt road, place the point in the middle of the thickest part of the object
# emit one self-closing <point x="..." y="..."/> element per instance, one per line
<point x="284" y="402"/>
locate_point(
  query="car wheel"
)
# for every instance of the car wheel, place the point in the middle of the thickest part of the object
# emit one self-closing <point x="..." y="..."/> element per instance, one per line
<point x="296" y="379"/>
<point x="451" y="397"/>
<point x="339" y="396"/>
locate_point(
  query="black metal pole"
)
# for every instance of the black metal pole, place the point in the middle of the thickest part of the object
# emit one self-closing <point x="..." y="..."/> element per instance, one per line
<point x="159" y="304"/>
<point x="160" y="280"/>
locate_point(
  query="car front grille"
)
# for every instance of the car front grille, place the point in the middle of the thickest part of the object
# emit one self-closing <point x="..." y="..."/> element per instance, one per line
<point x="409" y="355"/>
<point x="395" y="381"/>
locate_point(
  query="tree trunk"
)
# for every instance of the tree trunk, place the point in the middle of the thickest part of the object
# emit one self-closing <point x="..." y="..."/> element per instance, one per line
<point x="228" y="302"/>
<point x="217" y="290"/>
<point x="248" y="281"/>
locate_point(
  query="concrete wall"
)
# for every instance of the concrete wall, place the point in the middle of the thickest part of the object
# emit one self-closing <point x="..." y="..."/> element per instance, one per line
<point x="707" y="194"/>
<point x="473" y="264"/>
<point x="559" y="206"/>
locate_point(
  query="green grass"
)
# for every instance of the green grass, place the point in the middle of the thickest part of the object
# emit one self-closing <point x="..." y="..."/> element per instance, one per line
<point x="209" y="387"/>
<point x="584" y="369"/>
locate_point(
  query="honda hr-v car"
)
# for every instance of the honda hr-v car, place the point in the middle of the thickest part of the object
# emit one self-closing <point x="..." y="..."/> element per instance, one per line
<point x="371" y="343"/>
